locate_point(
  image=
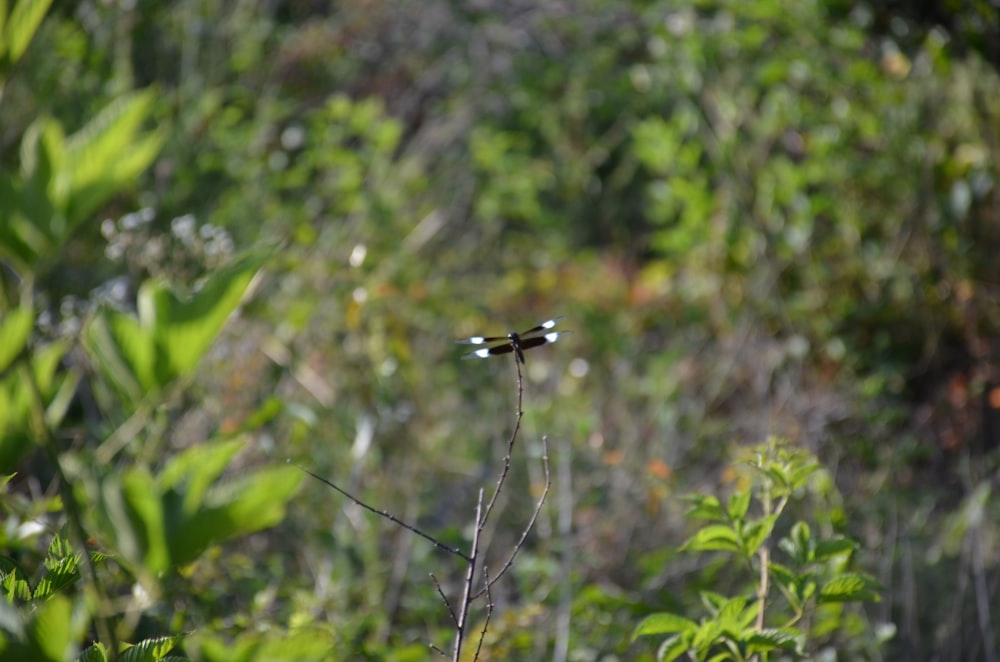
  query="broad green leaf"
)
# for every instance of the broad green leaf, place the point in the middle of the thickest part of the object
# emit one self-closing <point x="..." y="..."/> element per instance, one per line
<point x="835" y="546"/>
<point x="769" y="639"/>
<point x="755" y="533"/>
<point x="305" y="645"/>
<point x="705" y="507"/>
<point x="850" y="588"/>
<point x="107" y="154"/>
<point x="54" y="628"/>
<point x="798" y="544"/>
<point x="238" y="507"/>
<point x="192" y="471"/>
<point x="95" y="653"/>
<point x="663" y="623"/>
<point x="59" y="573"/>
<point x="14" y="224"/>
<point x="15" y="327"/>
<point x="16" y="400"/>
<point x="706" y="635"/>
<point x="739" y="503"/>
<point x="150" y="650"/>
<point x="733" y="609"/>
<point x="20" y="27"/>
<point x="123" y="352"/>
<point x="171" y="334"/>
<point x="714" y="537"/>
<point x="140" y="521"/>
<point x="184" y="327"/>
<point x="16" y="587"/>
<point x="674" y="647"/>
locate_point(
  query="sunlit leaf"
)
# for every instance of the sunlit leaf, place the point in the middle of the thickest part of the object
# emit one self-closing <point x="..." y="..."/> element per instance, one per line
<point x="19" y="28"/>
<point x="849" y="588"/>
<point x="714" y="537"/>
<point x="663" y="623"/>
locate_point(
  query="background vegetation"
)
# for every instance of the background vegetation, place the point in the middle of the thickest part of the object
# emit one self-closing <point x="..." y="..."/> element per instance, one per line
<point x="233" y="234"/>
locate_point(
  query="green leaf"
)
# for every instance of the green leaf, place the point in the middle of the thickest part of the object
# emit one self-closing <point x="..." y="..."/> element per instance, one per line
<point x="171" y="334"/>
<point x="769" y="639"/>
<point x="95" y="653"/>
<point x="714" y="537"/>
<point x="706" y="635"/>
<point x="705" y="507"/>
<point x="59" y="574"/>
<point x="798" y="544"/>
<point x="250" y="503"/>
<point x="54" y="628"/>
<point x="739" y="503"/>
<point x="123" y="352"/>
<point x="15" y="327"/>
<point x="107" y="154"/>
<point x="304" y="645"/>
<point x="733" y="609"/>
<point x="17" y="400"/>
<point x="663" y="623"/>
<point x="832" y="547"/>
<point x="849" y="588"/>
<point x="20" y="27"/>
<point x="184" y="327"/>
<point x="193" y="470"/>
<point x="674" y="647"/>
<point x="143" y="527"/>
<point x="755" y="533"/>
<point x="150" y="650"/>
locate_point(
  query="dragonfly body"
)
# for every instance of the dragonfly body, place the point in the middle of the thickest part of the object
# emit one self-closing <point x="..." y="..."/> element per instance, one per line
<point x="514" y="342"/>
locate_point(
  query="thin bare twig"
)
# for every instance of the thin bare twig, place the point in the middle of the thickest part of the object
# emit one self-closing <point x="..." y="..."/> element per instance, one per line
<point x="489" y="612"/>
<point x="531" y="522"/>
<point x="389" y="516"/>
<point x="444" y="598"/>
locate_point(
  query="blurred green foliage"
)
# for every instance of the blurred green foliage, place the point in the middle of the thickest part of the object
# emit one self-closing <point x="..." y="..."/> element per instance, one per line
<point x="759" y="218"/>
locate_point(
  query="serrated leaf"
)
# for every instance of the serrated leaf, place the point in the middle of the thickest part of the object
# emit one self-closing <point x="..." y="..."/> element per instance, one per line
<point x="714" y="537"/>
<point x="663" y="623"/>
<point x="150" y="650"/>
<point x="706" y="635"/>
<point x="836" y="546"/>
<point x="673" y="648"/>
<point x="95" y="653"/>
<point x="59" y="574"/>
<point x="739" y="504"/>
<point x="756" y="533"/>
<point x="732" y="609"/>
<point x="705" y="507"/>
<point x="849" y="588"/>
<point x="769" y="639"/>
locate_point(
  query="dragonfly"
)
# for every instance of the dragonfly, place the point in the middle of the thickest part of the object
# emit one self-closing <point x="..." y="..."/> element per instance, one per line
<point x="514" y="342"/>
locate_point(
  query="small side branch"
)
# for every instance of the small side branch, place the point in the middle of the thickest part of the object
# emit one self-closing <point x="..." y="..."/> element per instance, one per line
<point x="389" y="516"/>
<point x="489" y="611"/>
<point x="531" y="522"/>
